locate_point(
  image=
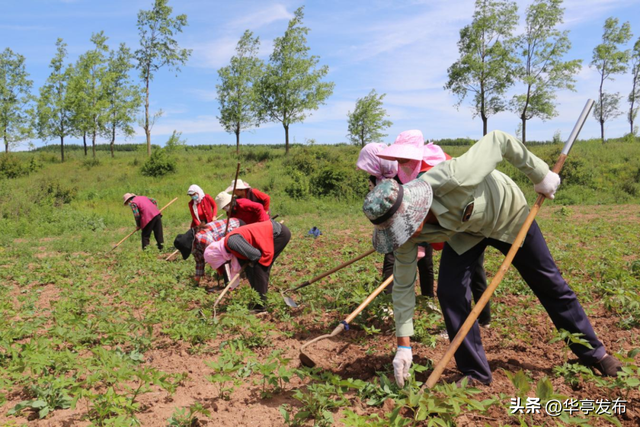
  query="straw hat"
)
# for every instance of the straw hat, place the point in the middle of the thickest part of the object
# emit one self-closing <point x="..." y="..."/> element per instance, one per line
<point x="222" y="199"/>
<point x="128" y="196"/>
<point x="242" y="185"/>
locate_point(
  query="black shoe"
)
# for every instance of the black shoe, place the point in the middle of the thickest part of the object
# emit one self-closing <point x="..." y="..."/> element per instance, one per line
<point x="608" y="366"/>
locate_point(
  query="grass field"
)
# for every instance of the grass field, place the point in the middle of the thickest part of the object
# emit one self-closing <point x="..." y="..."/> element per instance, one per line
<point x="92" y="337"/>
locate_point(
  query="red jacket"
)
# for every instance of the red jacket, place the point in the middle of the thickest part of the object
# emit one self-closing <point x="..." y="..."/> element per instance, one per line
<point x="207" y="211"/>
<point x="248" y="211"/>
<point x="260" y="236"/>
<point x="259" y="197"/>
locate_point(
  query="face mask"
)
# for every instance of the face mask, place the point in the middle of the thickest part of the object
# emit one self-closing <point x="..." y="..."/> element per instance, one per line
<point x="194" y="197"/>
<point x="408" y="171"/>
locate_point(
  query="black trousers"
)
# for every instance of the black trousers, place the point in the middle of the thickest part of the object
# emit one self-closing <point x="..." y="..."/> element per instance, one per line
<point x="538" y="269"/>
<point x="154" y="225"/>
<point x="258" y="275"/>
<point x="425" y="271"/>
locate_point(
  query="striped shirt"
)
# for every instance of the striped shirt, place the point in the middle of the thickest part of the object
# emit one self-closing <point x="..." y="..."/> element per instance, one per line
<point x="213" y="232"/>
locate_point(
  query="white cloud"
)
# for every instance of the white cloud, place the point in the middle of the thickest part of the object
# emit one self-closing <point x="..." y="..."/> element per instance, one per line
<point x="260" y="18"/>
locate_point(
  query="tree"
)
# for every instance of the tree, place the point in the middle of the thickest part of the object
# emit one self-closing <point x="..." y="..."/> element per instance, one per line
<point x="90" y="90"/>
<point x="237" y="92"/>
<point x="368" y="120"/>
<point x="123" y="97"/>
<point x="158" y="48"/>
<point x="291" y="84"/>
<point x="541" y="68"/>
<point x="608" y="61"/>
<point x="635" y="87"/>
<point x="485" y="64"/>
<point x="15" y="98"/>
<point x="54" y="110"/>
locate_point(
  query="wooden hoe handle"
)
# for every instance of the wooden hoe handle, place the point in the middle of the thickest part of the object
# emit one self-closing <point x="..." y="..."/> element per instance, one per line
<point x="131" y="234"/>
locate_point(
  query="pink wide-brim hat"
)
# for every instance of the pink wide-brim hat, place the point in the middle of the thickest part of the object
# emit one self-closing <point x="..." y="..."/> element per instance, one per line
<point x="408" y="145"/>
<point x="433" y="154"/>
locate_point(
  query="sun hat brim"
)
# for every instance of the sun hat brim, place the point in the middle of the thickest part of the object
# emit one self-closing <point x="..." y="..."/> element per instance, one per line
<point x="401" y="151"/>
<point x="241" y="185"/>
<point x="398" y="229"/>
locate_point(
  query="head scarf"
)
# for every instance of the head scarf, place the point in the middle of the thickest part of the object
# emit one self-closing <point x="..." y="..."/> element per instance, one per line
<point x="194" y="189"/>
<point x="374" y="165"/>
<point x="216" y="255"/>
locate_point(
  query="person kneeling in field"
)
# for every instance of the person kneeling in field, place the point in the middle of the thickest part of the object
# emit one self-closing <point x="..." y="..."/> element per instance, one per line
<point x="147" y="216"/>
<point x="257" y="245"/>
<point x="470" y="205"/>
<point x="197" y="239"/>
<point x="243" y="209"/>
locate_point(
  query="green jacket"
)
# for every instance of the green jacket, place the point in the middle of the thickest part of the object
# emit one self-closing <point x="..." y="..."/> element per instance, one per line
<point x="499" y="209"/>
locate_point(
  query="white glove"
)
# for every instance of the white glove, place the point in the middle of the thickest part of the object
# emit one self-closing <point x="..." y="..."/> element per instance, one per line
<point x="548" y="186"/>
<point x="401" y="365"/>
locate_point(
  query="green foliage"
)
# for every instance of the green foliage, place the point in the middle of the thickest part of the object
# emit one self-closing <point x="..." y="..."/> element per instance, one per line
<point x="122" y="95"/>
<point x="88" y="91"/>
<point x="187" y="417"/>
<point x="15" y="99"/>
<point x="48" y="395"/>
<point x="291" y="85"/>
<point x="174" y="143"/>
<point x="158" y="48"/>
<point x="608" y="60"/>
<point x="54" y="105"/>
<point x="275" y="373"/>
<point x="634" y="95"/>
<point x="224" y="374"/>
<point x="541" y="68"/>
<point x="159" y="164"/>
<point x="12" y="167"/>
<point x="367" y="121"/>
<point x="484" y="69"/>
<point x="573" y="373"/>
<point x="237" y="90"/>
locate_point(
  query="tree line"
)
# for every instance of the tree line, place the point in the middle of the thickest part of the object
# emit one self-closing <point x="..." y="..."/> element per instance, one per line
<point x="97" y="97"/>
<point x="493" y="59"/>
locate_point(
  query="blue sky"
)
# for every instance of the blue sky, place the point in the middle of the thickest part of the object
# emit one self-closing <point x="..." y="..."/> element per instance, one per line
<point x="400" y="48"/>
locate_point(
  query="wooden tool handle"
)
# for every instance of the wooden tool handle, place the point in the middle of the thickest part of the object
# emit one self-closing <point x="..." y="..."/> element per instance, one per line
<point x="233" y="196"/>
<point x="333" y="270"/>
<point x="368" y="300"/>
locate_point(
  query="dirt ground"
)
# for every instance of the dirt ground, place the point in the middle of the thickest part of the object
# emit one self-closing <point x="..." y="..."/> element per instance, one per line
<point x="354" y="354"/>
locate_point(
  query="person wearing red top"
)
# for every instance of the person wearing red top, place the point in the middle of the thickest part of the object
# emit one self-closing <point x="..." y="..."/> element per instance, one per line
<point x="244" y="191"/>
<point x="258" y="245"/>
<point x="202" y="207"/>
<point x="243" y="209"/>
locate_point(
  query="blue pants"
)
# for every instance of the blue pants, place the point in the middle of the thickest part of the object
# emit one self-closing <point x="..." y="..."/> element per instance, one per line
<point x="538" y="269"/>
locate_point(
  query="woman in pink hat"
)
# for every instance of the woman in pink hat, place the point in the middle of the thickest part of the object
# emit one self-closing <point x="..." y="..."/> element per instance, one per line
<point x="414" y="159"/>
<point x="379" y="170"/>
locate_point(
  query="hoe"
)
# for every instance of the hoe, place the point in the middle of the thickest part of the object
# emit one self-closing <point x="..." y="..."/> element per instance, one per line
<point x="306" y="360"/>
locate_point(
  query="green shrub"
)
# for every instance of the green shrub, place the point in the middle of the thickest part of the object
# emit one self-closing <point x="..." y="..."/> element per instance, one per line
<point x="257" y="155"/>
<point x="90" y="163"/>
<point x="299" y="188"/>
<point x="159" y="164"/>
<point x="11" y="167"/>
